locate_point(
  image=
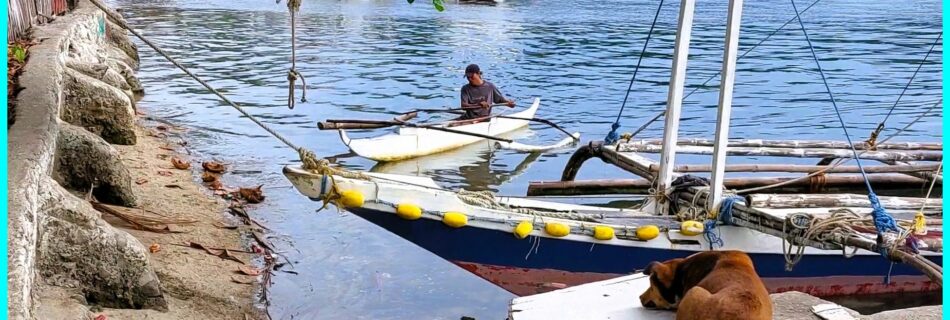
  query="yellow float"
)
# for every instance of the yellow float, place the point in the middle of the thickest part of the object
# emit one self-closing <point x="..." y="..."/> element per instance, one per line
<point x="523" y="229"/>
<point x="454" y="219"/>
<point x="351" y="199"/>
<point x="691" y="228"/>
<point x="648" y="232"/>
<point x="408" y="211"/>
<point x="603" y="233"/>
<point x="557" y="229"/>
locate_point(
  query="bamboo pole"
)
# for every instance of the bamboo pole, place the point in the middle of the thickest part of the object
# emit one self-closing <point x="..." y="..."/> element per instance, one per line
<point x="344" y="124"/>
<point x="931" y="146"/>
<point x="926" y="175"/>
<point x="838" y="200"/>
<point x="798" y="153"/>
<point x="905" y="168"/>
<point x="831" y="184"/>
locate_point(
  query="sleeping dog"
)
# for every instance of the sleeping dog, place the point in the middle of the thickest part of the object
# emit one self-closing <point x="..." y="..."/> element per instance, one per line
<point x="708" y="285"/>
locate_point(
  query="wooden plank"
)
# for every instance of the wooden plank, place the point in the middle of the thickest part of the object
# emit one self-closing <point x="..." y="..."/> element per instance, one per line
<point x="674" y="98"/>
<point x="839" y="200"/>
<point x="903" y="168"/>
<point x="725" y="106"/>
<point x="755" y="143"/>
<point x="797" y="153"/>
<point x="609" y="299"/>
<point x="831" y="184"/>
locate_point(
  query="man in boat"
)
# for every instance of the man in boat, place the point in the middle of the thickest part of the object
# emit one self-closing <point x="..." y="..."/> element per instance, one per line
<point x="478" y="95"/>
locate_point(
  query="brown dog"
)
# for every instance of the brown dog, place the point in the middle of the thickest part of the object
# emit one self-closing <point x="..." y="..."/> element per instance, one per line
<point x="708" y="285"/>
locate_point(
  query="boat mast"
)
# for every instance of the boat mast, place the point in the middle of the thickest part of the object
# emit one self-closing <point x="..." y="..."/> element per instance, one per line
<point x="725" y="106"/>
<point x="674" y="101"/>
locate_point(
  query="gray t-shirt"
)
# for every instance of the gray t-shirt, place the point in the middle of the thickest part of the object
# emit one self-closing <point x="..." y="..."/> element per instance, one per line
<point x="476" y="94"/>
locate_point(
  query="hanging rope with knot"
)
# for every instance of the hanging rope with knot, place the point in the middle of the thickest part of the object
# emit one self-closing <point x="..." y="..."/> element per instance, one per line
<point x="294" y="6"/>
<point x="872" y="140"/>
<point x="883" y="222"/>
<point x="613" y="136"/>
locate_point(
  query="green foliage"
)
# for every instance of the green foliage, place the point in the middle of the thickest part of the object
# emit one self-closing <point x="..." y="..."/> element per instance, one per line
<point x="17" y="52"/>
<point x="438" y="4"/>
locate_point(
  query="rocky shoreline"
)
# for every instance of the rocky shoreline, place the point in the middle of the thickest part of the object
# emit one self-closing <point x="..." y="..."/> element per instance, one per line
<point x="76" y="150"/>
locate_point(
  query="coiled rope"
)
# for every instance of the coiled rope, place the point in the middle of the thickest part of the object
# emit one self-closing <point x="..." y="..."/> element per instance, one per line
<point x="613" y="136"/>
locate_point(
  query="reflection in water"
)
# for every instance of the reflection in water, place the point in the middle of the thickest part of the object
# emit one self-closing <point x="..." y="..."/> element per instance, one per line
<point x="374" y="59"/>
<point x="473" y="163"/>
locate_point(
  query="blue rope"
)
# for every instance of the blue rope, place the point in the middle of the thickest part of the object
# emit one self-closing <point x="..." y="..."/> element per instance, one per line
<point x="613" y="136"/>
<point x="882" y="220"/>
<point x="710" y="232"/>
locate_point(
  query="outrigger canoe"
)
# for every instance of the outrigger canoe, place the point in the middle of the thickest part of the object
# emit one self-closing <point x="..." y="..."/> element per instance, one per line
<point x="410" y="142"/>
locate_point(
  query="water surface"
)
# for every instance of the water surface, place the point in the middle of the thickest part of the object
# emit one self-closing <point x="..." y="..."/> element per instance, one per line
<point x="374" y="59"/>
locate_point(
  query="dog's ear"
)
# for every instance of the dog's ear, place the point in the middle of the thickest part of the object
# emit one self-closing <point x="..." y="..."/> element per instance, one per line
<point x="664" y="271"/>
<point x="649" y="269"/>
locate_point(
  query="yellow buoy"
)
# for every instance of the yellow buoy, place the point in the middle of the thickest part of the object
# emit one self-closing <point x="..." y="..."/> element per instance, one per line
<point x="691" y="228"/>
<point x="351" y="199"/>
<point x="647" y="232"/>
<point x="603" y="233"/>
<point x="454" y="219"/>
<point x="408" y="211"/>
<point x="523" y="229"/>
<point x="557" y="229"/>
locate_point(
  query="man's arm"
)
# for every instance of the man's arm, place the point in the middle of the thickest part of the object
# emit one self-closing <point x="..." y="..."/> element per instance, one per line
<point x="500" y="98"/>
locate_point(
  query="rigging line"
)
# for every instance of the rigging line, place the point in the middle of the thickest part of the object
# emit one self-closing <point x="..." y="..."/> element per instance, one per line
<point x="701" y="86"/>
<point x="613" y="136"/>
<point x="824" y="80"/>
<point x="921" y="64"/>
<point x="639" y="60"/>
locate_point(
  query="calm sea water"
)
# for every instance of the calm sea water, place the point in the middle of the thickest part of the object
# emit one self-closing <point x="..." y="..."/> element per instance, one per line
<point x="373" y="59"/>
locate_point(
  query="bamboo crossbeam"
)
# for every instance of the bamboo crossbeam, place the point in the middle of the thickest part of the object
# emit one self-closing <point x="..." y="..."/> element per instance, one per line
<point x="926" y="175"/>
<point x="839" y="200"/>
<point x="756" y="143"/>
<point x="906" y="168"/>
<point x="830" y="184"/>
<point x="794" y="152"/>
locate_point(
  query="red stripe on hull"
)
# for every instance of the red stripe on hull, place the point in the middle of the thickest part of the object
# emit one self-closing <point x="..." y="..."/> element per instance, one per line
<point x="523" y="281"/>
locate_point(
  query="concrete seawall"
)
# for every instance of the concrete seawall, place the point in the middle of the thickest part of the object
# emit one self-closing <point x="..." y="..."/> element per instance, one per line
<point x="78" y="99"/>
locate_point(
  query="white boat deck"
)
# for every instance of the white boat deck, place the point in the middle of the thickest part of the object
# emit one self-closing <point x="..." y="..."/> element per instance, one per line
<point x="617" y="298"/>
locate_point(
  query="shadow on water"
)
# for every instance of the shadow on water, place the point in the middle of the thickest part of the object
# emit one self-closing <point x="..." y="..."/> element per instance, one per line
<point x="374" y="59"/>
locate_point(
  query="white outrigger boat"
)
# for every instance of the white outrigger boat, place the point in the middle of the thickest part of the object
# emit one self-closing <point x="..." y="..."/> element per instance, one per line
<point x="416" y="141"/>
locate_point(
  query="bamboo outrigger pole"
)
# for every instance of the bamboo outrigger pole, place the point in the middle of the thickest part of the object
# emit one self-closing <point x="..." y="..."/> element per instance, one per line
<point x="674" y="101"/>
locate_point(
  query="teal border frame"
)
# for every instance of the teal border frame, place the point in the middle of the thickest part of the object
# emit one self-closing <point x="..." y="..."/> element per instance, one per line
<point x="6" y="188"/>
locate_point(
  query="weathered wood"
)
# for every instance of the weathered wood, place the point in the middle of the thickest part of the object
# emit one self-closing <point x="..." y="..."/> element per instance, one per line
<point x="905" y="168"/>
<point x="926" y="175"/>
<point x="794" y="152"/>
<point x="358" y="124"/>
<point x="838" y="200"/>
<point x="832" y="184"/>
<point x="632" y="162"/>
<point x="931" y="146"/>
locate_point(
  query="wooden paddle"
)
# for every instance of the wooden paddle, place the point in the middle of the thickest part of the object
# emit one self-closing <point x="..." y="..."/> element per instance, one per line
<point x="539" y="120"/>
<point x="382" y="124"/>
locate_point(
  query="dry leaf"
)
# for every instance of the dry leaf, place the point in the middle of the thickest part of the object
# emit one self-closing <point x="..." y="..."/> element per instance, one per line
<point x="243" y="280"/>
<point x="174" y="186"/>
<point x="213" y="166"/>
<point x="248" y="270"/>
<point x="141" y="180"/>
<point x="224" y="226"/>
<point x="216" y="185"/>
<point x="180" y="164"/>
<point x="208" y="177"/>
<point x="167" y="148"/>
<point x="252" y="195"/>
<point x="161" y="127"/>
<point x="165" y="173"/>
<point x="225" y="254"/>
<point x="101" y="317"/>
<point x="202" y="247"/>
<point x="154" y="248"/>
